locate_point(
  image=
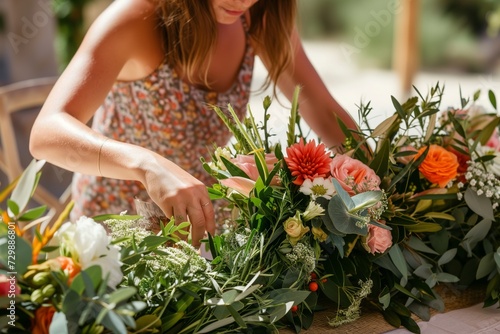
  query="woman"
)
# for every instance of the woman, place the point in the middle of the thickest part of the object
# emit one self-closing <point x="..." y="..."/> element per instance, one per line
<point x="146" y="72"/>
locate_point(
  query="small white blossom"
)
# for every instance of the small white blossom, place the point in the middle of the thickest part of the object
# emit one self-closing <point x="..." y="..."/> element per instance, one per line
<point x="319" y="187"/>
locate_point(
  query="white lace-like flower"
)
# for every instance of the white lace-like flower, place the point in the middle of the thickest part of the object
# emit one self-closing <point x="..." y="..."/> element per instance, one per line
<point x="88" y="244"/>
<point x="313" y="210"/>
<point x="319" y="187"/>
<point x="492" y="165"/>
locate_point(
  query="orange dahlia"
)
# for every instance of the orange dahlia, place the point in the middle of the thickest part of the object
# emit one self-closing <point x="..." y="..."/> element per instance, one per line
<point x="307" y="161"/>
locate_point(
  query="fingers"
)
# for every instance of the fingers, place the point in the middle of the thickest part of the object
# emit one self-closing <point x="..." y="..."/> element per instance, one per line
<point x="201" y="216"/>
<point x="208" y="211"/>
<point x="202" y="219"/>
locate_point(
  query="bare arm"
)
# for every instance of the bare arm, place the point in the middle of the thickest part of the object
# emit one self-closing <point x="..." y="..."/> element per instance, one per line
<point x="60" y="135"/>
<point x="317" y="106"/>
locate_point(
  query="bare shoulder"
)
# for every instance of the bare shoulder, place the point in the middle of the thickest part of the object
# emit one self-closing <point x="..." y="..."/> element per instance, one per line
<point x="124" y="23"/>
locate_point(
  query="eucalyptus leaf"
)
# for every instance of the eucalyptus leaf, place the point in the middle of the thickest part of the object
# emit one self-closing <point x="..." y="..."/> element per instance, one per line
<point x="475" y="235"/>
<point x="447" y="256"/>
<point x="447" y="278"/>
<point x="122" y="294"/>
<point x="114" y="323"/>
<point x="424" y="271"/>
<point x="59" y="324"/>
<point x="480" y="204"/>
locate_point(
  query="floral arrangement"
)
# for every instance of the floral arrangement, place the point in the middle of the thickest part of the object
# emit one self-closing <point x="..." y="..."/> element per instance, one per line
<point x="381" y="221"/>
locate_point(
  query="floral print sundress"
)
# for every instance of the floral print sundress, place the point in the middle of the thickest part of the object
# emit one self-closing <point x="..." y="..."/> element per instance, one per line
<point x="163" y="113"/>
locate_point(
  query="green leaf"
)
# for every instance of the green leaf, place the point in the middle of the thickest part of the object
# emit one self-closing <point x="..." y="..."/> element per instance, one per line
<point x="290" y="134"/>
<point x="486" y="266"/>
<point x="380" y="162"/>
<point x="170" y="320"/>
<point x="439" y="215"/>
<point x="229" y="296"/>
<point x="216" y="325"/>
<point x="147" y="321"/>
<point x="13" y="208"/>
<point x="23" y="253"/>
<point x="94" y="273"/>
<point x="385" y="298"/>
<point x="233" y="169"/>
<point x="100" y="218"/>
<point x="399" y="261"/>
<point x="392" y="318"/>
<point x="399" y="108"/>
<point x="410" y="324"/>
<point x="477" y="94"/>
<point x="33" y="214"/>
<point x="485" y="133"/>
<point x="384" y="126"/>
<point x="492" y="98"/>
<point x="71" y="302"/>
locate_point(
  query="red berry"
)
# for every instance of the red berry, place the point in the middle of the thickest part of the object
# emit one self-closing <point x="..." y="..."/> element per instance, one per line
<point x="314" y="276"/>
<point x="294" y="308"/>
<point x="324" y="280"/>
<point x="313" y="286"/>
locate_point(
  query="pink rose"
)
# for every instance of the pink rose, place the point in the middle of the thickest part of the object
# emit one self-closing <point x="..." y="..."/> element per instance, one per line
<point x="8" y="286"/>
<point x="247" y="164"/>
<point x="353" y="175"/>
<point x="378" y="239"/>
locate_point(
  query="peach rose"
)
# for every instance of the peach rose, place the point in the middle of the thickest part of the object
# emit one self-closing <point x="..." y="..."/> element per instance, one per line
<point x="440" y="166"/>
<point x="68" y="266"/>
<point x="353" y="175"/>
<point x="378" y="239"/>
<point x="42" y="320"/>
<point x="295" y="229"/>
<point x="247" y="164"/>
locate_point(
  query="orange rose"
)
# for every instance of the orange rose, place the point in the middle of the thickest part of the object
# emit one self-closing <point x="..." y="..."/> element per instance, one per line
<point x="42" y="320"/>
<point x="439" y="166"/>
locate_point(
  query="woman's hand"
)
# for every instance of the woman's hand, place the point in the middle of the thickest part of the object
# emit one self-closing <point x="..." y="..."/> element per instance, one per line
<point x="180" y="195"/>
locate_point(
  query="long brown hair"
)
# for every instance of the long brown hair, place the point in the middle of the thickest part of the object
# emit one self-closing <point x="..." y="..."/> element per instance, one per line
<point x="191" y="34"/>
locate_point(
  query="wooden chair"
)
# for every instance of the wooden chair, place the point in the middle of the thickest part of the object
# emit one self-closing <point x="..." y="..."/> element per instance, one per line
<point x="15" y="99"/>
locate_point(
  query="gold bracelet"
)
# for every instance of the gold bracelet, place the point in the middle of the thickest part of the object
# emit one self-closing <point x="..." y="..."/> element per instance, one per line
<point x="99" y="156"/>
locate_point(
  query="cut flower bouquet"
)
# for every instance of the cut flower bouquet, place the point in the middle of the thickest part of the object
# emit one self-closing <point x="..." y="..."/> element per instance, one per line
<point x="378" y="222"/>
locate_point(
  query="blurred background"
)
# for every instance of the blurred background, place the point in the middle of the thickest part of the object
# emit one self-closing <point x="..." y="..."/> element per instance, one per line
<point x="364" y="50"/>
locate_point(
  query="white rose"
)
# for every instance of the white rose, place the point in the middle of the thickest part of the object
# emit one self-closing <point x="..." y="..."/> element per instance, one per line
<point x="88" y="243"/>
